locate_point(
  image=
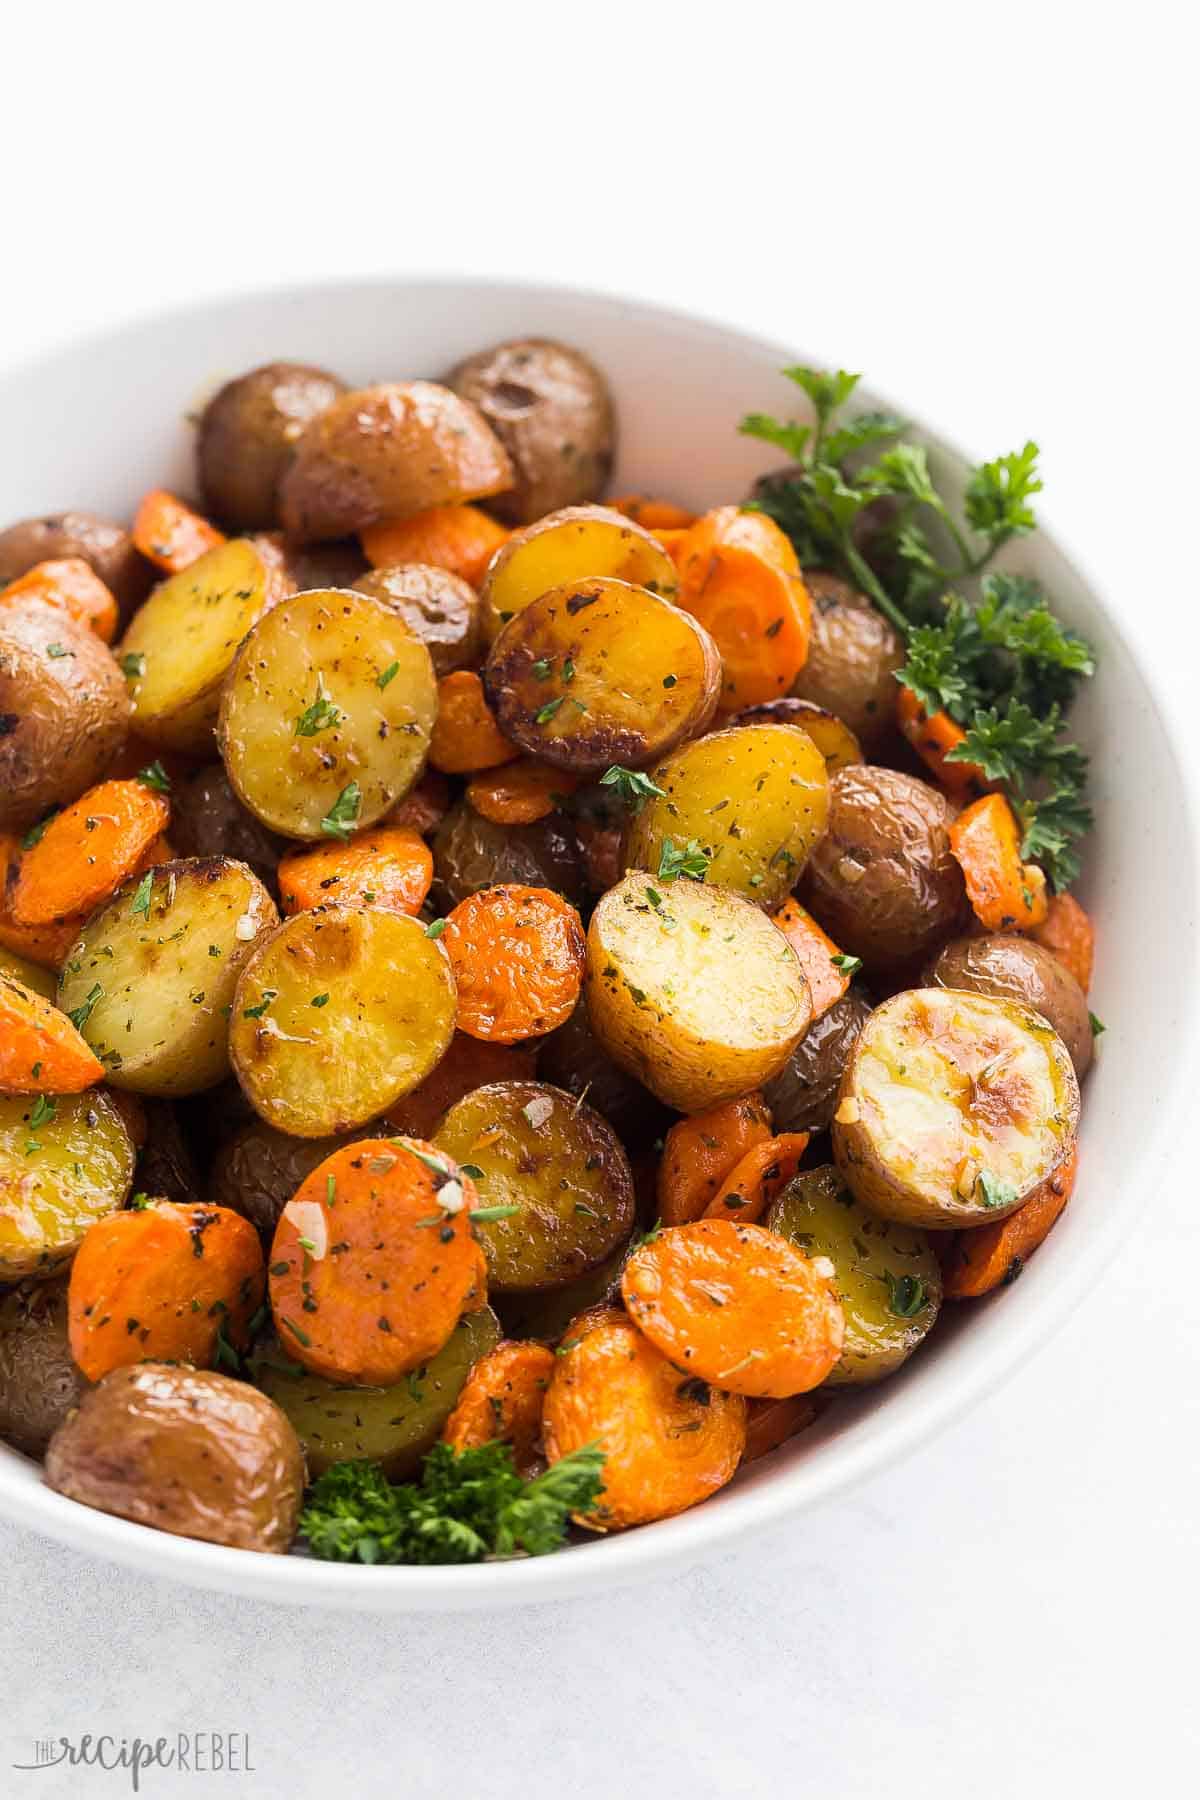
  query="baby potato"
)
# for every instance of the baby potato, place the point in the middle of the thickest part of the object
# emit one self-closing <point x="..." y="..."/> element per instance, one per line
<point x="181" y="642"/>
<point x="184" y="1450"/>
<point x="571" y="1058"/>
<point x="393" y="1426"/>
<point x="384" y="452"/>
<point x="155" y="969"/>
<point x="579" y="543"/>
<point x="63" y="717"/>
<point x="887" y="1276"/>
<point x="247" y="436"/>
<point x="208" y="819"/>
<point x="438" y="607"/>
<point x="803" y="1096"/>
<point x="599" y="672"/>
<point x="326" y="714"/>
<point x="257" y="1171"/>
<point x="105" y="547"/>
<point x="953" y="1108"/>
<point x="337" y="1015"/>
<point x="545" y="1313"/>
<point x="883" y="881"/>
<point x="692" y="990"/>
<point x="559" y="1163"/>
<point x="39" y="1383"/>
<point x="1017" y="969"/>
<point x="754" y="797"/>
<point x="471" y="852"/>
<point x="64" y="1163"/>
<point x="551" y="409"/>
<point x="853" y="655"/>
<point x="835" y="740"/>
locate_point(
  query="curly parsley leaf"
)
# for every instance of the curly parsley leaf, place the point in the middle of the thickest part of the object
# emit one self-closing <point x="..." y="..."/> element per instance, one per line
<point x="631" y="785"/>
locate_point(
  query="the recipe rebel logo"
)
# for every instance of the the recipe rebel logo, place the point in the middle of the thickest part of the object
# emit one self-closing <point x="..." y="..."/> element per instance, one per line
<point x="187" y="1753"/>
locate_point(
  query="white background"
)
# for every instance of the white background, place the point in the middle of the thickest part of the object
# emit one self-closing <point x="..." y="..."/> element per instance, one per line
<point x="990" y="208"/>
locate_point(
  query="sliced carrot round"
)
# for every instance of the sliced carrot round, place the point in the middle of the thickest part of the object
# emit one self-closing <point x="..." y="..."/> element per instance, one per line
<point x="521" y="793"/>
<point x="466" y="736"/>
<point x="518" y="956"/>
<point x="749" y="1188"/>
<point x="503" y="1397"/>
<point x="41" y="1052"/>
<point x="737" y="1305"/>
<point x="87" y="851"/>
<point x="739" y="576"/>
<point x="460" y="538"/>
<point x="700" y="1151"/>
<point x="374" y="1262"/>
<point x="388" y="866"/>
<point x="468" y="1064"/>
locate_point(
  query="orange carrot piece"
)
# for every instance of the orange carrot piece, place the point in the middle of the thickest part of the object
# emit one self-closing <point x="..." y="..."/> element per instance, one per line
<point x="1068" y="933"/>
<point x="827" y="983"/>
<point x="700" y="1151"/>
<point x="1005" y="893"/>
<point x="73" y="587"/>
<point x="986" y="1257"/>
<point x="932" y="736"/>
<point x="463" y="539"/>
<point x="520" y="793"/>
<point x="386" y="866"/>
<point x="740" y="577"/>
<point x="170" y="534"/>
<point x="738" y="1306"/>
<point x="87" y="850"/>
<point x="652" y="513"/>
<point x="747" y="1192"/>
<point x="673" y="542"/>
<point x="424" y="806"/>
<point x="518" y="958"/>
<point x="46" y="945"/>
<point x="163" y="1284"/>
<point x="468" y="1064"/>
<point x="770" y="1423"/>
<point x="503" y="1397"/>
<point x="466" y="737"/>
<point x="41" y="1052"/>
<point x="372" y="1266"/>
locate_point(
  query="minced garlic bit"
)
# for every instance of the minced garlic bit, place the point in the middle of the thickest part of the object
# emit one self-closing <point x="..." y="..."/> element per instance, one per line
<point x="967" y="1177"/>
<point x="538" y="1110"/>
<point x="308" y="1217"/>
<point x="823" y="1266"/>
<point x="848" y="1113"/>
<point x="245" y="929"/>
<point x="450" y="1196"/>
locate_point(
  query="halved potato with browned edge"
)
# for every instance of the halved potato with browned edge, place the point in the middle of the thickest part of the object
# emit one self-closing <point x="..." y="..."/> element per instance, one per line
<point x="337" y="1014"/>
<point x="384" y="452"/>
<point x="181" y="642"/>
<point x="438" y="607"/>
<point x="65" y="1161"/>
<point x="754" y="798"/>
<point x="64" y="716"/>
<point x="600" y="672"/>
<point x="692" y="989"/>
<point x="327" y="714"/>
<point x="834" y="739"/>
<point x="151" y="978"/>
<point x="953" y="1108"/>
<point x="577" y="544"/>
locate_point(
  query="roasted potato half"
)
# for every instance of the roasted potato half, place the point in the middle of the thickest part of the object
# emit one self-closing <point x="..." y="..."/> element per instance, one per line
<point x="471" y="852"/>
<point x="601" y="672"/>
<point x="1017" y="969"/>
<point x="39" y="1383"/>
<point x="887" y="1276"/>
<point x="559" y="1163"/>
<point x="383" y="1017"/>
<point x="835" y="740"/>
<point x="186" y="1451"/>
<point x="853" y="655"/>
<point x="65" y="1162"/>
<point x="692" y="990"/>
<point x="580" y="543"/>
<point x="247" y="437"/>
<point x="438" y="607"/>
<point x="29" y="974"/>
<point x="105" y="547"/>
<point x="754" y="799"/>
<point x="545" y="1313"/>
<point x="155" y="969"/>
<point x="803" y="1096"/>
<point x="181" y="642"/>
<point x="63" y="717"/>
<point x="953" y="1108"/>
<point x="393" y="1426"/>
<point x="551" y="409"/>
<point x="326" y="714"/>
<point x="384" y="452"/>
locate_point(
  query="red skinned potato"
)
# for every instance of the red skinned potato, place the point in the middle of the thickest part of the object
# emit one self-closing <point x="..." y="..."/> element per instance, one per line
<point x="64" y="712"/>
<point x="105" y="547"/>
<point x="248" y="432"/>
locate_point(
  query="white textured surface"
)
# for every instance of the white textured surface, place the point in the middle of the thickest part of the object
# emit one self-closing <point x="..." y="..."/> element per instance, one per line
<point x="984" y="210"/>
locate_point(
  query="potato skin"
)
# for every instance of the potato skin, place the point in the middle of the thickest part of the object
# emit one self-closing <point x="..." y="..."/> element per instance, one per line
<point x="105" y="547"/>
<point x="438" y="606"/>
<point x="39" y="1383"/>
<point x="257" y="1171"/>
<point x="208" y="819"/>
<point x="62" y="718"/>
<point x="470" y="852"/>
<point x="572" y="1058"/>
<point x="246" y="437"/>
<point x="551" y="409"/>
<point x="1014" y="968"/>
<point x="185" y="1451"/>
<point x="882" y="881"/>
<point x="853" y="656"/>
<point x="803" y="1096"/>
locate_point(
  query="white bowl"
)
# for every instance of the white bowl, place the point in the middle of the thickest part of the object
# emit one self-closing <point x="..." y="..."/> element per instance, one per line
<point x="100" y="422"/>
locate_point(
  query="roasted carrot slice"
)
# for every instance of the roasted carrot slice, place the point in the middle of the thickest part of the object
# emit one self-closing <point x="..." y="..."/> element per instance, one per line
<point x="819" y="956"/>
<point x="518" y="957"/>
<point x="170" y="534"/>
<point x="770" y="1423"/>
<point x="72" y="586"/>
<point x="700" y="1151"/>
<point x="170" y="1283"/>
<point x="750" y="1188"/>
<point x="1005" y="893"/>
<point x="654" y="514"/>
<point x="738" y="1306"/>
<point x="87" y="851"/>
<point x="373" y="1261"/>
<point x="462" y="539"/>
<point x="503" y="1397"/>
<point x="1068" y="933"/>
<point x="521" y="793"/>
<point x="933" y="736"/>
<point x="387" y="866"/>
<point x="466" y="737"/>
<point x="41" y="1052"/>
<point x="45" y="945"/>
<point x="739" y="576"/>
<point x="468" y="1064"/>
<point x="977" y="1261"/>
